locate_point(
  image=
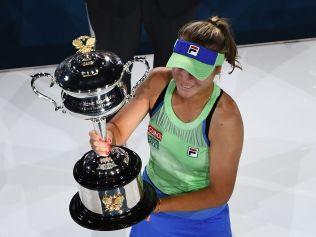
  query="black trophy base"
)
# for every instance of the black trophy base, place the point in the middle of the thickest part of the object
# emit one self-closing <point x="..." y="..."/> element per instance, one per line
<point x="90" y="220"/>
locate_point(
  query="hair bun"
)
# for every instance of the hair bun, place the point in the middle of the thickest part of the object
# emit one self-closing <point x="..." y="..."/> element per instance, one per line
<point x="214" y="20"/>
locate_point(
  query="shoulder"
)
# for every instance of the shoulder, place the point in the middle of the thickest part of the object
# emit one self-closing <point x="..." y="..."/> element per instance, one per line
<point x="227" y="108"/>
<point x="159" y="77"/>
<point x="156" y="81"/>
<point x="226" y="118"/>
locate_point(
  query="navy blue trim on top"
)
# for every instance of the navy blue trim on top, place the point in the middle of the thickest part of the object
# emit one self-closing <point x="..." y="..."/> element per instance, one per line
<point x="204" y="133"/>
<point x="155" y="109"/>
<point x="159" y="102"/>
<point x="207" y="121"/>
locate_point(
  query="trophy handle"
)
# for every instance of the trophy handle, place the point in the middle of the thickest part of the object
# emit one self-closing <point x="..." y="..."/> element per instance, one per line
<point x="41" y="95"/>
<point x="99" y="125"/>
<point x="143" y="78"/>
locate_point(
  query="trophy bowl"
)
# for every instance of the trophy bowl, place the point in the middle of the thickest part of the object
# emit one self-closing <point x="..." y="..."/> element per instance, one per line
<point x="111" y="192"/>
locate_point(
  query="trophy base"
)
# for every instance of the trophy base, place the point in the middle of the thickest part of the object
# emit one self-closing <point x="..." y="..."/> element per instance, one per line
<point x="90" y="220"/>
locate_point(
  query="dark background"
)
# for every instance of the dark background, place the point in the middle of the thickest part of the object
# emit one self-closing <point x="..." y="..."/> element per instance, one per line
<point x="38" y="32"/>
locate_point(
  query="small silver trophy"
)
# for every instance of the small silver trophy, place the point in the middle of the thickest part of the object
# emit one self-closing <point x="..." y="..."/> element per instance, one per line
<point x="111" y="193"/>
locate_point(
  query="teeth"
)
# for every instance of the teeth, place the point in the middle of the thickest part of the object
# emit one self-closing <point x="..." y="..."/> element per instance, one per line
<point x="187" y="87"/>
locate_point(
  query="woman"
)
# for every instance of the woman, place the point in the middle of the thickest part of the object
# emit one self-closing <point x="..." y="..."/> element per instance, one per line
<point x="195" y="134"/>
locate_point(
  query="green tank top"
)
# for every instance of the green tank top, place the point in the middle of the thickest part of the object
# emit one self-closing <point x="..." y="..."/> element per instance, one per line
<point x="179" y="151"/>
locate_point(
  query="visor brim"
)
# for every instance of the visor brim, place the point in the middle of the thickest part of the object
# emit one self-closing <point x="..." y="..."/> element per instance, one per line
<point x="199" y="70"/>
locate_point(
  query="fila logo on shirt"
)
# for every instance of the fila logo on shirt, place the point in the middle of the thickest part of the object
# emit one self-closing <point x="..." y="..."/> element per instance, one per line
<point x="193" y="152"/>
<point x="193" y="50"/>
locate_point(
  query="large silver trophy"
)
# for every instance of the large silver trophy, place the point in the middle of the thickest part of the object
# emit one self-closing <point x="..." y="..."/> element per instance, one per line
<point x="111" y="193"/>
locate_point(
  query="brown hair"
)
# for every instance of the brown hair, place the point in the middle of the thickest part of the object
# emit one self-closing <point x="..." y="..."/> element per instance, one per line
<point x="213" y="33"/>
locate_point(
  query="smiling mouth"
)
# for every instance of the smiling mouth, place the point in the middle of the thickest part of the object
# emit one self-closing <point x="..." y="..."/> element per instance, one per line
<point x="186" y="87"/>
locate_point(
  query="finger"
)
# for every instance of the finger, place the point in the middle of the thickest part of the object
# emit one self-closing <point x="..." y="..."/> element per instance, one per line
<point x="108" y="140"/>
<point x="94" y="144"/>
<point x="97" y="136"/>
<point x="102" y="149"/>
<point x="94" y="135"/>
<point x="100" y="144"/>
<point x="148" y="218"/>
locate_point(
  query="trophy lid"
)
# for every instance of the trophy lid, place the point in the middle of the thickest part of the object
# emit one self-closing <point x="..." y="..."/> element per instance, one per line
<point x="101" y="173"/>
<point x="88" y="71"/>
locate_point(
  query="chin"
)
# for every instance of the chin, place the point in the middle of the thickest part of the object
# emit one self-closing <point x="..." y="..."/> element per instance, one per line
<point x="185" y="94"/>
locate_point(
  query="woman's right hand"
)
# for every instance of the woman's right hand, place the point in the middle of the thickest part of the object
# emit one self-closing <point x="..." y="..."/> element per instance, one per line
<point x="99" y="145"/>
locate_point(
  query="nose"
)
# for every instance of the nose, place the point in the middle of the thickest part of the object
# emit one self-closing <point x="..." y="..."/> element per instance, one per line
<point x="185" y="75"/>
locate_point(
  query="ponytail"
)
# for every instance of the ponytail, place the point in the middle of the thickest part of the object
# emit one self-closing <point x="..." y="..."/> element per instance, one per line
<point x="215" y="34"/>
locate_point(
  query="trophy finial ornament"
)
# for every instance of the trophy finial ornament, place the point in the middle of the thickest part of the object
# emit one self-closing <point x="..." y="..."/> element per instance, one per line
<point x="84" y="44"/>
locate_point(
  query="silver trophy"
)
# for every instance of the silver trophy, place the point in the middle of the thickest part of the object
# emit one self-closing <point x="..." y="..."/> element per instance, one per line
<point x="111" y="193"/>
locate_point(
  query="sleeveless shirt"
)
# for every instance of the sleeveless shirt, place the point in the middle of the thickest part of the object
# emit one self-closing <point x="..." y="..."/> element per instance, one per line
<point x="179" y="151"/>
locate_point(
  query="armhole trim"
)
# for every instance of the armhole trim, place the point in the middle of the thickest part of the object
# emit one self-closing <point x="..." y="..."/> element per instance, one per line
<point x="207" y="121"/>
<point x="159" y="102"/>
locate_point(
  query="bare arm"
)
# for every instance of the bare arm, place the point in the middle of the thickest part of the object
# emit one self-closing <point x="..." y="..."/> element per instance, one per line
<point x="131" y="115"/>
<point x="226" y="136"/>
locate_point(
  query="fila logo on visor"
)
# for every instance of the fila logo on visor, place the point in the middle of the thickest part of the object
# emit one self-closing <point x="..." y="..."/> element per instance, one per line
<point x="193" y="152"/>
<point x="193" y="50"/>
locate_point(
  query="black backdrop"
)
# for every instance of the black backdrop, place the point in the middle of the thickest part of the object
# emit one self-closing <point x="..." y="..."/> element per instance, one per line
<point x="38" y="32"/>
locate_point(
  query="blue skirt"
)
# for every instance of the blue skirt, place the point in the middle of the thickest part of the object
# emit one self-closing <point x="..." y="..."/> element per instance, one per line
<point x="212" y="222"/>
